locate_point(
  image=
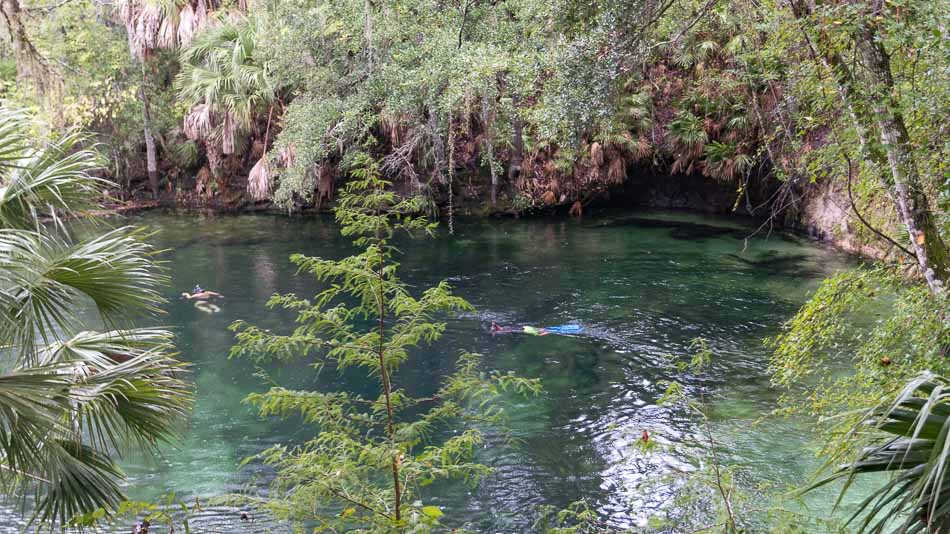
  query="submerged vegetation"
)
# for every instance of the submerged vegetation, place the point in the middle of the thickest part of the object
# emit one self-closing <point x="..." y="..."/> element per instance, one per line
<point x="829" y="116"/>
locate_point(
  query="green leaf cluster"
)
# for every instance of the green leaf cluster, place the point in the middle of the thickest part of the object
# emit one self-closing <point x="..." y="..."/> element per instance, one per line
<point x="72" y="400"/>
<point x="372" y="456"/>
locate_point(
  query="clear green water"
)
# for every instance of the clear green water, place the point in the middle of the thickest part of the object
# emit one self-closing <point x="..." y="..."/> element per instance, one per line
<point x="642" y="290"/>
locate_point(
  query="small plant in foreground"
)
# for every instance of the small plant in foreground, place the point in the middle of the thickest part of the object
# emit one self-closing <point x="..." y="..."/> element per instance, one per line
<point x="906" y="437"/>
<point x="366" y="467"/>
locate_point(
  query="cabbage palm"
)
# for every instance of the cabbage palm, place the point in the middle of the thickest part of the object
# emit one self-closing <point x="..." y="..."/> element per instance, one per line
<point x="909" y="440"/>
<point x="226" y="86"/>
<point x="153" y="24"/>
<point x="70" y="398"/>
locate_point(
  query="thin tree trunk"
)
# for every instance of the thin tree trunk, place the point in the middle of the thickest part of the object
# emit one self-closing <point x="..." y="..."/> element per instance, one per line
<point x="387" y="389"/>
<point x="368" y="31"/>
<point x="904" y="187"/>
<point x="517" y="146"/>
<point x="913" y="206"/>
<point x="151" y="160"/>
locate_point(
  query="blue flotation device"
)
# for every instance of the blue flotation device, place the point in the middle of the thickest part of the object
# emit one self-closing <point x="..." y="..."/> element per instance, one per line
<point x="565" y="329"/>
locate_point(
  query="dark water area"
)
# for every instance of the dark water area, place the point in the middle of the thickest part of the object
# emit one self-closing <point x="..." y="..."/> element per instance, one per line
<point x="643" y="287"/>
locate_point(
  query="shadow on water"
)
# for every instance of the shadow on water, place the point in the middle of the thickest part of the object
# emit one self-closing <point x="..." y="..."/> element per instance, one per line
<point x="642" y="288"/>
<point x="678" y="229"/>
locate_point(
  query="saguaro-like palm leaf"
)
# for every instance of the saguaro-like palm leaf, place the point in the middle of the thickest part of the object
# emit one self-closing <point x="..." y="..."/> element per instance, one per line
<point x="909" y="439"/>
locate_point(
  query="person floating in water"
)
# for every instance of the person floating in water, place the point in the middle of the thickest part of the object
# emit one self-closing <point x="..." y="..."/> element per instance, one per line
<point x="530" y="330"/>
<point x="201" y="297"/>
<point x="201" y="294"/>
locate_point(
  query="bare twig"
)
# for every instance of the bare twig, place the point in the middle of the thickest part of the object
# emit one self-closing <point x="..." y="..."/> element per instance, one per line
<point x="861" y="218"/>
<point x="699" y="15"/>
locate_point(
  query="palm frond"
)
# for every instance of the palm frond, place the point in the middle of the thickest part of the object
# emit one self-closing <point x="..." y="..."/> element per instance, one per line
<point x="687" y="130"/>
<point x="74" y="399"/>
<point x="910" y="441"/>
<point x="221" y="75"/>
<point x="259" y="180"/>
<point x="44" y="278"/>
<point x="44" y="178"/>
<point x="63" y="419"/>
<point x="13" y="139"/>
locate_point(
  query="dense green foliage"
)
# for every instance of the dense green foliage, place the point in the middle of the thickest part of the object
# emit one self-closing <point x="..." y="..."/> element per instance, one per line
<point x="786" y="108"/>
<point x="537" y="102"/>
<point x="371" y="457"/>
<point x="71" y="398"/>
<point x="909" y="335"/>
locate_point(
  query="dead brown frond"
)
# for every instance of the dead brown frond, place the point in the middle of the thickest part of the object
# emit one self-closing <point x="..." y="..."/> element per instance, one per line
<point x="389" y="125"/>
<point x="259" y="180"/>
<point x="712" y="126"/>
<point x="126" y="12"/>
<point x="201" y="14"/>
<point x="325" y="178"/>
<point x="197" y="122"/>
<point x="680" y="164"/>
<point x="596" y="154"/>
<point x="168" y="30"/>
<point x="642" y="148"/>
<point x="287" y="155"/>
<point x="696" y="149"/>
<point x="187" y="24"/>
<point x="148" y="21"/>
<point x="616" y="171"/>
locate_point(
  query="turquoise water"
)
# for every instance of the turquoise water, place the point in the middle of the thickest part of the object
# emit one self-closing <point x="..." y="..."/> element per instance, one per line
<point x="643" y="287"/>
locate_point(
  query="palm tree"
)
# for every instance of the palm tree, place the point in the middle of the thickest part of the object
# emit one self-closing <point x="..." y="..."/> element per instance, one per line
<point x="910" y="439"/>
<point x="153" y="24"/>
<point x="228" y="90"/>
<point x="70" y="398"/>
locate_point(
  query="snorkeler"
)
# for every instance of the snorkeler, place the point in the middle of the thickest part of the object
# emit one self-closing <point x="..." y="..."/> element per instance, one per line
<point x="530" y="330"/>
<point x="201" y="294"/>
<point x="201" y="297"/>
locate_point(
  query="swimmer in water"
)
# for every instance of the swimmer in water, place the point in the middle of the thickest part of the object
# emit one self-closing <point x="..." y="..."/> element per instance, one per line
<point x="201" y="294"/>
<point x="530" y="330"/>
<point x="201" y="297"/>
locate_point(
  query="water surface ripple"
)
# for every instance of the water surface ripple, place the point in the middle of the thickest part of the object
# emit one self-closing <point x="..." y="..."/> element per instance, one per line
<point x="643" y="291"/>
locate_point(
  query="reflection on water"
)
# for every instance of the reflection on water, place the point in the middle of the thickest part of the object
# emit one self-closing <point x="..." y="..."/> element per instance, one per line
<point x="643" y="288"/>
